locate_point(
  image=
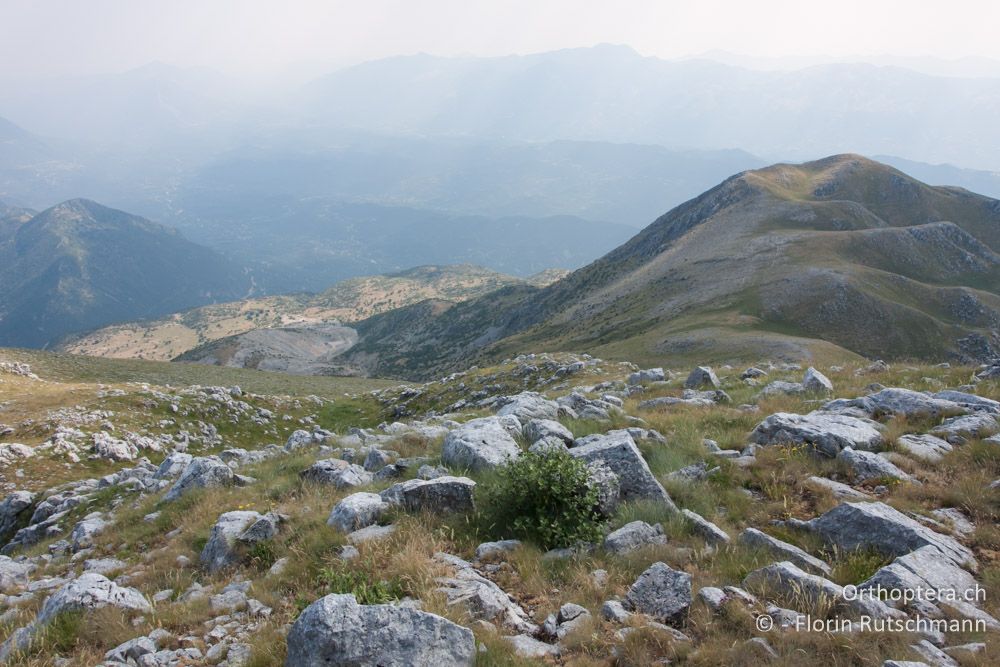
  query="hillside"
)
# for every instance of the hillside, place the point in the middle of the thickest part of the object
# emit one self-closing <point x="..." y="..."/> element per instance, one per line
<point x="515" y="514"/>
<point x="79" y="265"/>
<point x="347" y="301"/>
<point x="830" y="259"/>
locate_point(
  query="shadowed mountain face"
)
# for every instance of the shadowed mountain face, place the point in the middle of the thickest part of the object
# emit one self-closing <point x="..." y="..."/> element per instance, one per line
<point x="79" y="265"/>
<point x="830" y="258"/>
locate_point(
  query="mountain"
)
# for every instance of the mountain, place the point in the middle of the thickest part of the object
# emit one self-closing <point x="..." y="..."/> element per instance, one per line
<point x="308" y="244"/>
<point x="624" y="183"/>
<point x="19" y="148"/>
<point x="976" y="180"/>
<point x="829" y="259"/>
<point x="611" y="93"/>
<point x="347" y="301"/>
<point x="79" y="265"/>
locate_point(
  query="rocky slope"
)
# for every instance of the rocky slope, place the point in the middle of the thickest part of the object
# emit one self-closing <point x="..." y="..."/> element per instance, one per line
<point x="79" y="265"/>
<point x="146" y="525"/>
<point x="348" y="301"/>
<point x="829" y="259"/>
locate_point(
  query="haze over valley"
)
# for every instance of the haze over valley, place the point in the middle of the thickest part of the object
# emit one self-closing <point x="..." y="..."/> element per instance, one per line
<point x="545" y="332"/>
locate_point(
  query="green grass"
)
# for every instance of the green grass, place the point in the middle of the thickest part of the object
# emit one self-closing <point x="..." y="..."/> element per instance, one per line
<point x="76" y="368"/>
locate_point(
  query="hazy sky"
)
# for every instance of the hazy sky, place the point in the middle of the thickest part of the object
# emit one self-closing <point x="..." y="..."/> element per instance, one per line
<point x="248" y="36"/>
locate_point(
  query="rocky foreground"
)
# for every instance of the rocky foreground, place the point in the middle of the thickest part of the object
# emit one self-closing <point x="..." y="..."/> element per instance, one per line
<point x="766" y="515"/>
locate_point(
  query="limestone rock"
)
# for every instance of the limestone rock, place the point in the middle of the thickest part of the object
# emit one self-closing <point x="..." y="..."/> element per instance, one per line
<point x="700" y="377"/>
<point x="751" y="537"/>
<point x="337" y="473"/>
<point x="634" y="535"/>
<point x="336" y="630"/>
<point x="618" y="451"/>
<point x="827" y="433"/>
<point x="878" y="526"/>
<point x="661" y="592"/>
<point x="867" y="466"/>
<point x="438" y="495"/>
<point x="479" y="444"/>
<point x="357" y="510"/>
<point x="201" y="473"/>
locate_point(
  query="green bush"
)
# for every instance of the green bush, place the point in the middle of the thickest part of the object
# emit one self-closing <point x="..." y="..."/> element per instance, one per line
<point x="358" y="582"/>
<point x="543" y="498"/>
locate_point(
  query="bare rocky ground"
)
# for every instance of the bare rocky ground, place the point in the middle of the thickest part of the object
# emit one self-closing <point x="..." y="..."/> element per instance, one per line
<point x="744" y="512"/>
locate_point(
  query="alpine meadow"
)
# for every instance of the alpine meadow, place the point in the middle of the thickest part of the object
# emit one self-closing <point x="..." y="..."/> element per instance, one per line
<point x="396" y="334"/>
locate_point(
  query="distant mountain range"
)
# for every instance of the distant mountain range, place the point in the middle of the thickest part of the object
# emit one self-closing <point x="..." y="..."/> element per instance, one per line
<point x="79" y="265"/>
<point x="826" y="260"/>
<point x="611" y="93"/>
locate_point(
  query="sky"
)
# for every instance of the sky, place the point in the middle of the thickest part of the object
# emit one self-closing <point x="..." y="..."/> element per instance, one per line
<point x="251" y="37"/>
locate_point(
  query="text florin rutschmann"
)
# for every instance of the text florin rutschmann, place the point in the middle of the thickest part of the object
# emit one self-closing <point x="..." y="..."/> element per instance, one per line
<point x="807" y="623"/>
<point x="972" y="595"/>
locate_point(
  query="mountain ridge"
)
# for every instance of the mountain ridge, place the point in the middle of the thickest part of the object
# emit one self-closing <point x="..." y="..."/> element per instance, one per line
<point x="79" y="264"/>
<point x="785" y="239"/>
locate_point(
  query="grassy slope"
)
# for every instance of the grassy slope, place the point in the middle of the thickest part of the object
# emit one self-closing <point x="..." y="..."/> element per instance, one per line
<point x="78" y="368"/>
<point x="807" y="261"/>
<point x="404" y="564"/>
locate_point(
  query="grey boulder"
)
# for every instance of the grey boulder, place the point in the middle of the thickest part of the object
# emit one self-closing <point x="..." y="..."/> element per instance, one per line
<point x="201" y="473"/>
<point x="702" y="376"/>
<point x="878" y="526"/>
<point x="358" y="510"/>
<point x="337" y="473"/>
<point x="634" y="535"/>
<point x="661" y="592"/>
<point x="866" y="466"/>
<point x="336" y="630"/>
<point x="439" y="495"/>
<point x="814" y="381"/>
<point x="826" y="433"/>
<point x="479" y="444"/>
<point x="221" y="549"/>
<point x="529" y="405"/>
<point x="926" y="447"/>
<point x="618" y="451"/>
<point x="13" y="509"/>
<point x="755" y="539"/>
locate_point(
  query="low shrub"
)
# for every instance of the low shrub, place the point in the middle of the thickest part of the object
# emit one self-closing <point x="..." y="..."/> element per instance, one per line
<point x="544" y="498"/>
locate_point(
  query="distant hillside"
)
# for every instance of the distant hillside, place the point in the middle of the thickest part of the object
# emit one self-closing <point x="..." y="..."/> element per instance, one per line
<point x="347" y="301"/>
<point x="79" y="265"/>
<point x="308" y="244"/>
<point x="19" y="148"/>
<point x="839" y="257"/>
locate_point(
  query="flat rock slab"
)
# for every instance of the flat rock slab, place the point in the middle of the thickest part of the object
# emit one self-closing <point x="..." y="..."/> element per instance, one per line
<point x="839" y="490"/>
<point x="336" y="630"/>
<point x="705" y="529"/>
<point x="826" y="433"/>
<point x="788" y="581"/>
<point x="751" y="537"/>
<point x="529" y="405"/>
<point x="867" y="466"/>
<point x="965" y="427"/>
<point x="370" y="533"/>
<point x="926" y="447"/>
<point x="878" y="526"/>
